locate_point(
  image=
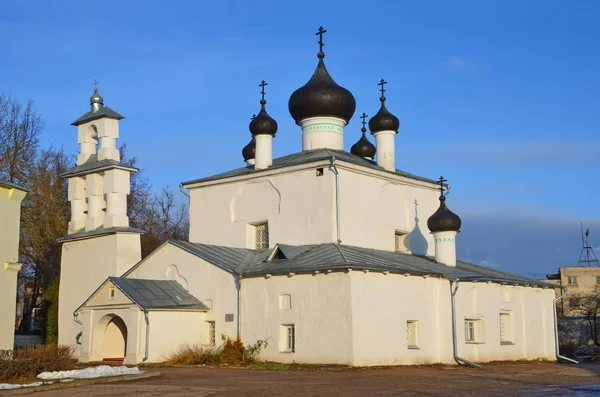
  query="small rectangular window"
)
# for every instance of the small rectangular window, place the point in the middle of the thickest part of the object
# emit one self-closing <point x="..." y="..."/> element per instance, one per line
<point x="288" y="342"/>
<point x="506" y="329"/>
<point x="229" y="317"/>
<point x="212" y="340"/>
<point x="572" y="280"/>
<point x="285" y="302"/>
<point x="261" y="236"/>
<point x="111" y="293"/>
<point x="411" y="334"/>
<point x="474" y="331"/>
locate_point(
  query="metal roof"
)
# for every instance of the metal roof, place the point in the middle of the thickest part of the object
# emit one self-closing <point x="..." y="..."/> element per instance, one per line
<point x="95" y="166"/>
<point x="12" y="186"/>
<point x="304" y="157"/>
<point x="309" y="258"/>
<point x="82" y="234"/>
<point x="105" y="111"/>
<point x="157" y="294"/>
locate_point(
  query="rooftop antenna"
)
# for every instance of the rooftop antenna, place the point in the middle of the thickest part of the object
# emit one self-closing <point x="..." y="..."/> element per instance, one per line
<point x="587" y="257"/>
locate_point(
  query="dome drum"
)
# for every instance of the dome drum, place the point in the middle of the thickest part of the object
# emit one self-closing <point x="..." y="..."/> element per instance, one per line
<point x="322" y="132"/>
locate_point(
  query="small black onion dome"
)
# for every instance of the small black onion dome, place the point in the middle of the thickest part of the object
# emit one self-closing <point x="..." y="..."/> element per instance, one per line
<point x="96" y="98"/>
<point x="444" y="220"/>
<point x="384" y="120"/>
<point x="249" y="151"/>
<point x="321" y="96"/>
<point x="363" y="147"/>
<point x="263" y="124"/>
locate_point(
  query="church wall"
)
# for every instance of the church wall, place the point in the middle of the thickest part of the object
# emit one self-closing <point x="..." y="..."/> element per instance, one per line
<point x="531" y="313"/>
<point x="10" y="213"/>
<point x="320" y="312"/>
<point x="382" y="305"/>
<point x="372" y="209"/>
<point x="210" y="284"/>
<point x="85" y="264"/>
<point x="170" y="330"/>
<point x="299" y="207"/>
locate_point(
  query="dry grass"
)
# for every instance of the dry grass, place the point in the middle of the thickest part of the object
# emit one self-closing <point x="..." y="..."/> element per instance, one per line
<point x="194" y="355"/>
<point x="28" y="362"/>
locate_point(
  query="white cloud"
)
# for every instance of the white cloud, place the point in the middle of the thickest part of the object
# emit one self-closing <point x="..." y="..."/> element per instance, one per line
<point x="455" y="62"/>
<point x="488" y="263"/>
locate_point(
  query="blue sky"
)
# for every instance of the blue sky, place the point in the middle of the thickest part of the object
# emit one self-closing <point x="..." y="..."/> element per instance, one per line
<point x="500" y="97"/>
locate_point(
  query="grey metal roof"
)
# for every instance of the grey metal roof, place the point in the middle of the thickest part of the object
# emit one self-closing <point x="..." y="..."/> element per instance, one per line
<point x="103" y="112"/>
<point x="157" y="294"/>
<point x="95" y="166"/>
<point x="12" y="186"/>
<point x="82" y="234"/>
<point x="304" y="157"/>
<point x="309" y="258"/>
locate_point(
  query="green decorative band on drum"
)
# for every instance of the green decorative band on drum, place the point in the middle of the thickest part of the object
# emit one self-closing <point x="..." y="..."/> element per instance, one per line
<point x="322" y="127"/>
<point x="445" y="239"/>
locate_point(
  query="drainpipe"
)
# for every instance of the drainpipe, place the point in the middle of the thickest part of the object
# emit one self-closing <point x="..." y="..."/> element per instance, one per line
<point x="459" y="360"/>
<point x="337" y="195"/>
<point x="556" y="328"/>
<point x="238" y="285"/>
<point x="184" y="190"/>
<point x="75" y="314"/>
<point x="147" y="334"/>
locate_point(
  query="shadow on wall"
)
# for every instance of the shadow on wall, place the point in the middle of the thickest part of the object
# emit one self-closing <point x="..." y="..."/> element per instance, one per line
<point x="415" y="240"/>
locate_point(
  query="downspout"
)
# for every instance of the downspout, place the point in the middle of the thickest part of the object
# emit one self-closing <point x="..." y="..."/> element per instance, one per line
<point x="337" y="194"/>
<point x="184" y="190"/>
<point x="75" y="314"/>
<point x="238" y="285"/>
<point x="147" y="335"/>
<point x="556" y="328"/>
<point x="459" y="360"/>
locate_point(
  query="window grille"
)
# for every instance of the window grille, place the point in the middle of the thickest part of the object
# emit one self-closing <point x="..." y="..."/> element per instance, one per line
<point x="291" y="338"/>
<point x="261" y="236"/>
<point x="470" y="335"/>
<point x="505" y="329"/>
<point x="572" y="280"/>
<point x="211" y="333"/>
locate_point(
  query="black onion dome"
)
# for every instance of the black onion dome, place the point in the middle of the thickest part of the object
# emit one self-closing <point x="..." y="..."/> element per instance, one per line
<point x="321" y="96"/>
<point x="249" y="151"/>
<point x="384" y="120"/>
<point x="263" y="124"/>
<point x="363" y="147"/>
<point x="444" y="220"/>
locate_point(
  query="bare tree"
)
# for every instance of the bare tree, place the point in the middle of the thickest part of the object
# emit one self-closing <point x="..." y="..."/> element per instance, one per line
<point x="20" y="127"/>
<point x="587" y="305"/>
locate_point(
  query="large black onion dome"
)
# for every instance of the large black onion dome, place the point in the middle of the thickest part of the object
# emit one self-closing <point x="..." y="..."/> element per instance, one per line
<point x="263" y="124"/>
<point x="444" y="220"/>
<point x="321" y="96"/>
<point x="249" y="151"/>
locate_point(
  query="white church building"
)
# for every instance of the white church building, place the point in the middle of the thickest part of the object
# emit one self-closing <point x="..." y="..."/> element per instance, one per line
<point x="330" y="256"/>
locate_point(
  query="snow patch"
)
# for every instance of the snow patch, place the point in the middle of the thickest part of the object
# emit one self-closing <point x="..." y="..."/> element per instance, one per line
<point x="91" y="372"/>
<point x="10" y="386"/>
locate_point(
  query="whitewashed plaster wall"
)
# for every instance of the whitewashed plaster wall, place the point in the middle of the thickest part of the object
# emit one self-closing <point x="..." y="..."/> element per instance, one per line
<point x="373" y="208"/>
<point x="210" y="284"/>
<point x="320" y="311"/>
<point x="299" y="207"/>
<point x="10" y="215"/>
<point x="85" y="265"/>
<point x="381" y="306"/>
<point x="170" y="330"/>
<point x="532" y="321"/>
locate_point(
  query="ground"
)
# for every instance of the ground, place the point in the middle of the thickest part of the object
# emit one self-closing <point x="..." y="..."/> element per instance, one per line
<point x="528" y="379"/>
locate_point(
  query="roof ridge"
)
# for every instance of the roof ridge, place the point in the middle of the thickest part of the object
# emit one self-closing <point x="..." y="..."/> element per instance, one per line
<point x="341" y="253"/>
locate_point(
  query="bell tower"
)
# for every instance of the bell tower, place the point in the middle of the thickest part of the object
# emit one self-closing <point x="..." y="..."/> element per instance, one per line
<point x="99" y="242"/>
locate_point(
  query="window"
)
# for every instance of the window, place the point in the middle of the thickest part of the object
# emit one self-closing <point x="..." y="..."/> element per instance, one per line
<point x="399" y="241"/>
<point x="211" y="333"/>
<point x="506" y="329"/>
<point x="474" y="331"/>
<point x="261" y="236"/>
<point x="571" y="280"/>
<point x="319" y="171"/>
<point x="285" y="302"/>
<point x="411" y="334"/>
<point x="111" y="293"/>
<point x="229" y="317"/>
<point x="288" y="344"/>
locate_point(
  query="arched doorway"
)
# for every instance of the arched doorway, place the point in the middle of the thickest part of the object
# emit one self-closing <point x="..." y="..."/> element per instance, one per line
<point x="110" y="339"/>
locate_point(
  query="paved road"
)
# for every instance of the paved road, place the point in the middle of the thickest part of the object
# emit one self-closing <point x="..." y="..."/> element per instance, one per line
<point x="531" y="379"/>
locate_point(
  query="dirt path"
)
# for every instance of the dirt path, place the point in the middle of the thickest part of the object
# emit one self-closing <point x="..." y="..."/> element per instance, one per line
<point x="536" y="379"/>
